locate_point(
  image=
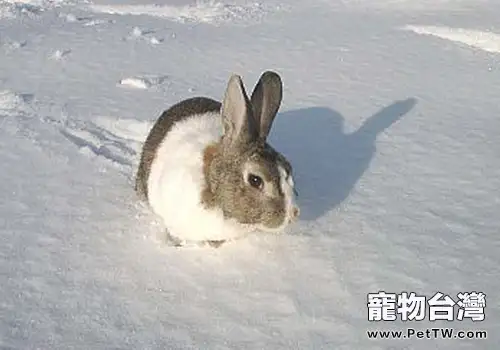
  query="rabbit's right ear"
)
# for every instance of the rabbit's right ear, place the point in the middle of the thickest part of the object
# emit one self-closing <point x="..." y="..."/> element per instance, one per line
<point x="266" y="100"/>
<point x="238" y="123"/>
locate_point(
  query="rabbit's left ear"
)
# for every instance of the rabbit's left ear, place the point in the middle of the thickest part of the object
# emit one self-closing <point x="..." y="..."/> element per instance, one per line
<point x="239" y="125"/>
<point x="266" y="100"/>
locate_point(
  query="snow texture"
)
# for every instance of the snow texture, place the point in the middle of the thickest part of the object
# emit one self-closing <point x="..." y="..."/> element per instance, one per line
<point x="487" y="41"/>
<point x="390" y="118"/>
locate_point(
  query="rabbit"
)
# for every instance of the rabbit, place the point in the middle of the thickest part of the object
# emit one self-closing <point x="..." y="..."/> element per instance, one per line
<point x="208" y="172"/>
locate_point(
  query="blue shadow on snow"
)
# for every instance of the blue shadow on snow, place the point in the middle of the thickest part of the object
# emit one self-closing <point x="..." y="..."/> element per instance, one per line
<point x="327" y="162"/>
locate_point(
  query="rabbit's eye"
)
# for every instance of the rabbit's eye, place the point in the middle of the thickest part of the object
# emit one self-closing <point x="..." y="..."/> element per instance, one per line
<point x="255" y="181"/>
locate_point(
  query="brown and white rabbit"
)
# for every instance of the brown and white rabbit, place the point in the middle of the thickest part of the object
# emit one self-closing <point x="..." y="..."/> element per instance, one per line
<point x="207" y="171"/>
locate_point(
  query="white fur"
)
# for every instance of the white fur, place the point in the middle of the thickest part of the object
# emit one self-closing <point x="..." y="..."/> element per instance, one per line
<point x="176" y="181"/>
<point x="287" y="186"/>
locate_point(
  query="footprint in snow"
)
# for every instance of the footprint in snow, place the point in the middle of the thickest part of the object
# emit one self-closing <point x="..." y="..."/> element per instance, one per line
<point x="12" y="45"/>
<point x="69" y="17"/>
<point x="60" y="54"/>
<point x="16" y="9"/>
<point x="86" y="21"/>
<point x="115" y="140"/>
<point x="17" y="111"/>
<point x="144" y="35"/>
<point x="96" y="22"/>
<point x="13" y="103"/>
<point x="142" y="82"/>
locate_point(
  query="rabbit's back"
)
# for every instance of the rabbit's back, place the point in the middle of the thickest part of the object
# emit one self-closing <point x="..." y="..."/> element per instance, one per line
<point x="176" y="181"/>
<point x="177" y="113"/>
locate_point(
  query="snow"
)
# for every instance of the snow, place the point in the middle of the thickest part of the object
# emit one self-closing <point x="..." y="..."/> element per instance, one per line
<point x="487" y="41"/>
<point x="198" y="12"/>
<point x="390" y="120"/>
<point x="142" y="82"/>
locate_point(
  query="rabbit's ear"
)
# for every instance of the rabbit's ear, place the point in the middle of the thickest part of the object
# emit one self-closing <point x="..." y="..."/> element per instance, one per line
<point x="266" y="100"/>
<point x="238" y="123"/>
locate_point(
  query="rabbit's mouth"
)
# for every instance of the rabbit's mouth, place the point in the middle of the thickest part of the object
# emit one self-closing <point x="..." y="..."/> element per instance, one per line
<point x="292" y="214"/>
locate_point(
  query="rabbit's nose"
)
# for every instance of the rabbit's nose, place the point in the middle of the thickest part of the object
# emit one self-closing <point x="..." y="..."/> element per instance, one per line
<point x="295" y="212"/>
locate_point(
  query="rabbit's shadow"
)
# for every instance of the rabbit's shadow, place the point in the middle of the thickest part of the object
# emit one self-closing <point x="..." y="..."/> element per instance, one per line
<point x="327" y="162"/>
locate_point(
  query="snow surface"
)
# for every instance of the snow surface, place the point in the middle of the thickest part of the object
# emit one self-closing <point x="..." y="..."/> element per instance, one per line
<point x="390" y="118"/>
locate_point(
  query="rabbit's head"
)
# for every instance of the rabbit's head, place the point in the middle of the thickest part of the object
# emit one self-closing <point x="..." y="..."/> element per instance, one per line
<point x="245" y="176"/>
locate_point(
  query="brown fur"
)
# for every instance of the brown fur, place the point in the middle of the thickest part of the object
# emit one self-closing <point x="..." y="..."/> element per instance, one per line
<point x="207" y="197"/>
<point x="163" y="125"/>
